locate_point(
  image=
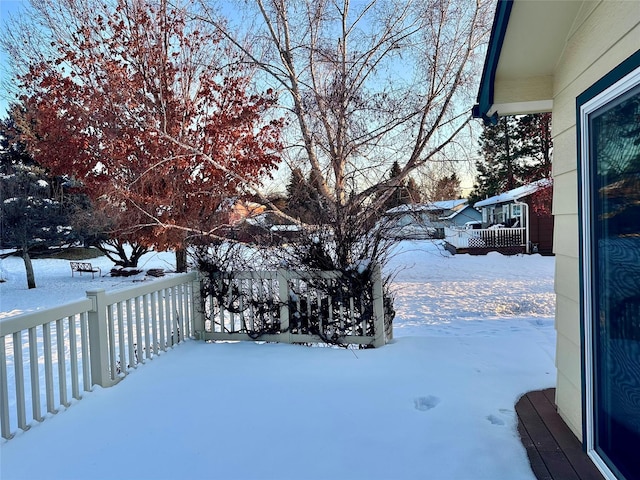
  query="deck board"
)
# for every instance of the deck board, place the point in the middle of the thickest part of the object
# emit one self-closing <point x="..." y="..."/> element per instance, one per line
<point x="554" y="451"/>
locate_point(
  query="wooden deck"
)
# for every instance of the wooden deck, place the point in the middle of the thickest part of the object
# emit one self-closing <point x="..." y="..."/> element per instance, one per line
<point x="554" y="451"/>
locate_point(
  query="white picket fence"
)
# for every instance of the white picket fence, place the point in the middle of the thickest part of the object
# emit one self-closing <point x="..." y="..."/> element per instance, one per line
<point x="486" y="238"/>
<point x="48" y="357"/>
<point x="296" y="307"/>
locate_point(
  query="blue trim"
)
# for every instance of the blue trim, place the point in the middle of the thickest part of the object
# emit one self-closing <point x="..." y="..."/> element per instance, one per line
<point x="614" y="76"/>
<point x="485" y="92"/>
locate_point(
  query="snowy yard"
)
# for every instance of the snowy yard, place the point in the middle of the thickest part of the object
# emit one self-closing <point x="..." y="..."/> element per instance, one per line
<point x="472" y="334"/>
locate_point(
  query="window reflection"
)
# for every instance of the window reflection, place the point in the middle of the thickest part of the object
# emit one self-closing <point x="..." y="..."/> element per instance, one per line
<point x="615" y="149"/>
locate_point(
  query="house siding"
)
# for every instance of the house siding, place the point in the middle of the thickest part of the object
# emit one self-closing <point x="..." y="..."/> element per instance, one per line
<point x="540" y="229"/>
<point x="604" y="34"/>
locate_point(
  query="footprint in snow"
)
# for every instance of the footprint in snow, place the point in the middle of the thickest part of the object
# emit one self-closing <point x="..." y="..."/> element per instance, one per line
<point x="426" y="403"/>
<point x="495" y="420"/>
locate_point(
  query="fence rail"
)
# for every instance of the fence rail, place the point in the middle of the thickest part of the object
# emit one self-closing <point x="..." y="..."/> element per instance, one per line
<point x="59" y="352"/>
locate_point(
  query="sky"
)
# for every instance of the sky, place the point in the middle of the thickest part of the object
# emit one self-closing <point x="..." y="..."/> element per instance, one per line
<point x="471" y="335"/>
<point x="7" y="8"/>
<point x="13" y="7"/>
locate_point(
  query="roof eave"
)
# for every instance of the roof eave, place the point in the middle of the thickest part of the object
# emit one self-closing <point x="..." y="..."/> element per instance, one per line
<point x="484" y="107"/>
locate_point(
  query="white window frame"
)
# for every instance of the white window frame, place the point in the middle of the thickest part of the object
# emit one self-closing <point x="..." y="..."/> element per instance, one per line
<point x="516" y="210"/>
<point x="602" y="99"/>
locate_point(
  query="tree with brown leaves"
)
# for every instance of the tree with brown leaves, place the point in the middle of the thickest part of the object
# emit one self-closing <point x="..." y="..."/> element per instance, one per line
<point x="145" y="108"/>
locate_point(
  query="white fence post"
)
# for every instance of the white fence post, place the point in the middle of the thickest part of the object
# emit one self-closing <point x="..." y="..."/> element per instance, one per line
<point x="283" y="294"/>
<point x="378" y="308"/>
<point x="98" y="339"/>
<point x="197" y="306"/>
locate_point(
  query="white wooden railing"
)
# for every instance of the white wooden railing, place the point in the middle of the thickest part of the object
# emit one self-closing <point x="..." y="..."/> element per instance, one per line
<point x="48" y="357"/>
<point x="296" y="307"/>
<point x="486" y="237"/>
<point x="51" y="355"/>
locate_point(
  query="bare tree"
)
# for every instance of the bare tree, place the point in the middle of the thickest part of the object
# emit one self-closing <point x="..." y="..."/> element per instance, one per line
<point x="364" y="85"/>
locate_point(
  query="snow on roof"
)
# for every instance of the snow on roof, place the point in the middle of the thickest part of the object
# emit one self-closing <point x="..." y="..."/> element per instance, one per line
<point x="448" y="204"/>
<point x="515" y="194"/>
<point x="455" y="212"/>
<point x="428" y="207"/>
<point x="286" y="228"/>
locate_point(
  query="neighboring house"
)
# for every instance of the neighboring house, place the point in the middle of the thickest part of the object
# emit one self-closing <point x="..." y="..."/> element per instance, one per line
<point x="429" y="220"/>
<point x="518" y="209"/>
<point x="268" y="228"/>
<point x="581" y="61"/>
<point x="243" y="209"/>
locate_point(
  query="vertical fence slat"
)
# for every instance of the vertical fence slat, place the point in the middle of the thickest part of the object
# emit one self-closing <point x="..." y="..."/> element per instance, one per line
<point x="129" y="323"/>
<point x="168" y="317"/>
<point x="48" y="367"/>
<point x="189" y="308"/>
<point x="62" y="364"/>
<point x="352" y="314"/>
<point x="220" y="306"/>
<point x="35" y="377"/>
<point x="166" y="309"/>
<point x="252" y="317"/>
<point x="161" y="320"/>
<point x="73" y="357"/>
<point x="5" y="426"/>
<point x="18" y="364"/>
<point x="179" y="292"/>
<point x="330" y="305"/>
<point x="321" y="327"/>
<point x="145" y="319"/>
<point x="173" y="317"/>
<point x="84" y="345"/>
<point x="139" y="340"/>
<point x="121" y="322"/>
<point x="154" y="321"/>
<point x="111" y="333"/>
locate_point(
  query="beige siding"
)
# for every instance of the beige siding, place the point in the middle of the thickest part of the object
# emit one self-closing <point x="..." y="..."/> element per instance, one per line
<point x="566" y="143"/>
<point x="565" y="193"/>
<point x="569" y="310"/>
<point x="565" y="236"/>
<point x="566" y="279"/>
<point x="569" y="401"/>
<point x="603" y="35"/>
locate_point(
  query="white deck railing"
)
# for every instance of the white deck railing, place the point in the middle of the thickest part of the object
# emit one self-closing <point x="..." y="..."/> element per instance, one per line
<point x="49" y="356"/>
<point x="486" y="237"/>
<point x="296" y="307"/>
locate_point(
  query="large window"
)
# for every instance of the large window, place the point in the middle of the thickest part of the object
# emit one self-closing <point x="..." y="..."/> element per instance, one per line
<point x="609" y="122"/>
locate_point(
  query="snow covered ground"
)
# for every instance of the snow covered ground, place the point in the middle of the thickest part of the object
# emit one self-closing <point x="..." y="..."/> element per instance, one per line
<point x="472" y="334"/>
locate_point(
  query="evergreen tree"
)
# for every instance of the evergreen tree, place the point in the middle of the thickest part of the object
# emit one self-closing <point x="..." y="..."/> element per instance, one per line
<point x="32" y="211"/>
<point x="535" y="148"/>
<point x="303" y="198"/>
<point x="406" y="193"/>
<point x="413" y="191"/>
<point x="514" y="152"/>
<point x="446" y="188"/>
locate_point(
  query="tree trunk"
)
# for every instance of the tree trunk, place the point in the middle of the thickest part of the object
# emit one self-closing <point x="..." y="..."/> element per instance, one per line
<point x="31" y="279"/>
<point x="181" y="259"/>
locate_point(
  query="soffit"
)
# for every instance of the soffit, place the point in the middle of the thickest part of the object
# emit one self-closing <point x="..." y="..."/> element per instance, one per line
<point x="535" y="38"/>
